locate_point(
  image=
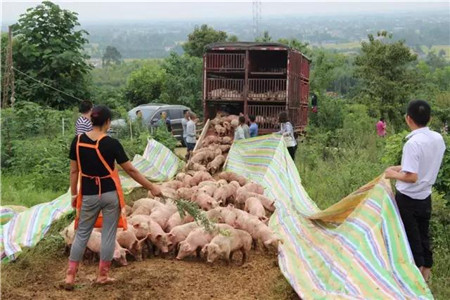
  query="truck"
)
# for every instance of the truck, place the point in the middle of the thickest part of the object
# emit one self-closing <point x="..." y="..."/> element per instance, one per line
<point x="260" y="79"/>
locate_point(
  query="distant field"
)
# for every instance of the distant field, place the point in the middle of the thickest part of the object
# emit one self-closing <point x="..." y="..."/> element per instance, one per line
<point x="342" y="46"/>
<point x="437" y="48"/>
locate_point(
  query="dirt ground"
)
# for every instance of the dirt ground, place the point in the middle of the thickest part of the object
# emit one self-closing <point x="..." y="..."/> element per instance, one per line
<point x="154" y="278"/>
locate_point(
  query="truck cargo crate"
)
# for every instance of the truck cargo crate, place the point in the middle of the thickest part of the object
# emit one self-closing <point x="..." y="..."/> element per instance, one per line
<point x="267" y="89"/>
<point x="224" y="89"/>
<point x="266" y="116"/>
<point x="225" y="61"/>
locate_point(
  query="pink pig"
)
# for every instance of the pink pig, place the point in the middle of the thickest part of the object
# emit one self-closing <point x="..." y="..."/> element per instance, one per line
<point x="254" y="188"/>
<point x="179" y="233"/>
<point x="205" y="201"/>
<point x="128" y="240"/>
<point x="162" y="214"/>
<point x="254" y="207"/>
<point x="95" y="242"/>
<point x="176" y="220"/>
<point x="159" y="238"/>
<point x="148" y="203"/>
<point x="225" y="245"/>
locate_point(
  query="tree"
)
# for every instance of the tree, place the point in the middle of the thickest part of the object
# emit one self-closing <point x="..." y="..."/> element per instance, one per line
<point x="111" y="55"/>
<point x="183" y="84"/>
<point x="264" y="38"/>
<point x="145" y="84"/>
<point x="200" y="37"/>
<point x="387" y="76"/>
<point x="49" y="49"/>
<point x="297" y="45"/>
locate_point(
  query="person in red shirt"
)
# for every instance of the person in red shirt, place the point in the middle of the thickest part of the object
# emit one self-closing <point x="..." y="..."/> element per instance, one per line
<point x="381" y="127"/>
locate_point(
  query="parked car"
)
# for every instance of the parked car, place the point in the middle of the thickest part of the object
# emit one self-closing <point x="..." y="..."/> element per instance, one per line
<point x="151" y="114"/>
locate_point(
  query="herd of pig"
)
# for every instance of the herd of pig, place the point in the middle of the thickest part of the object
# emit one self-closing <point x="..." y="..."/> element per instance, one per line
<point x="237" y="208"/>
<point x="212" y="151"/>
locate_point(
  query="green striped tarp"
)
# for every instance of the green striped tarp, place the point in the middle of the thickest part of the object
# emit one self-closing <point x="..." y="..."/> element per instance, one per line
<point x="27" y="228"/>
<point x="355" y="249"/>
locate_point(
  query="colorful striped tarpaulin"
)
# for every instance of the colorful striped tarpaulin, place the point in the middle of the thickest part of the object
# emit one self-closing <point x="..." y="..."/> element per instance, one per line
<point x="355" y="249"/>
<point x="27" y="228"/>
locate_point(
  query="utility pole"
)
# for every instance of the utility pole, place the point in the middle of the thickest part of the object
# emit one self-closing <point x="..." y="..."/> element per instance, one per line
<point x="256" y="17"/>
<point x="8" y="81"/>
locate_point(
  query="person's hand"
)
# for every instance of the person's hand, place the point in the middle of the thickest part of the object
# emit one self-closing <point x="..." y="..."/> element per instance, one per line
<point x="390" y="173"/>
<point x="74" y="201"/>
<point x="154" y="190"/>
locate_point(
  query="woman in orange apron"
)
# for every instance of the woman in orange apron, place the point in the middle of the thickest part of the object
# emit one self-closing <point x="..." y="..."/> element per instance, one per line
<point x="96" y="192"/>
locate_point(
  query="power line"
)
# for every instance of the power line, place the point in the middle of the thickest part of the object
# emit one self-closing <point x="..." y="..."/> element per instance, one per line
<point x="49" y="86"/>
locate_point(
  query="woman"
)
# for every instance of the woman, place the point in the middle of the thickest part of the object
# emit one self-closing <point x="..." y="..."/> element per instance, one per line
<point x="287" y="131"/>
<point x="92" y="159"/>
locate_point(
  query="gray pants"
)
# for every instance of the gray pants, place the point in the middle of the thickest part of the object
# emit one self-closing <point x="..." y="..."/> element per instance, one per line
<point x="108" y="204"/>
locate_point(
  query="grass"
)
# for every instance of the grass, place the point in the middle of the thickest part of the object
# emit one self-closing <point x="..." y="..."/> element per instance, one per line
<point x="16" y="190"/>
<point x="328" y="175"/>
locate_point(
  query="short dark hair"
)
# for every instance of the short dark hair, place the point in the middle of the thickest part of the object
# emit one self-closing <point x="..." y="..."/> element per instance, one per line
<point x="283" y="117"/>
<point x="382" y="119"/>
<point x="85" y="106"/>
<point x="100" y="115"/>
<point x="252" y="118"/>
<point x="241" y="119"/>
<point x="419" y="111"/>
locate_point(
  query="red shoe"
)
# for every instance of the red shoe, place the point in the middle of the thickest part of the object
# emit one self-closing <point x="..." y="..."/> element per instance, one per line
<point x="70" y="275"/>
<point x="103" y="268"/>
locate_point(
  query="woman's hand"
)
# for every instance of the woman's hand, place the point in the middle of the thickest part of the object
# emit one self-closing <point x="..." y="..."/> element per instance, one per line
<point x="154" y="190"/>
<point x="74" y="201"/>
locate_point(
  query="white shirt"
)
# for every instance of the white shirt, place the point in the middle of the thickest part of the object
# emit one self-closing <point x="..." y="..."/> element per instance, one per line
<point x="422" y="154"/>
<point x="239" y="133"/>
<point x="184" y="124"/>
<point x="190" y="132"/>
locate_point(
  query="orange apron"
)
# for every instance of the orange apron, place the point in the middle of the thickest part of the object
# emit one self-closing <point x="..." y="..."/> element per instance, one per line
<point x="113" y="174"/>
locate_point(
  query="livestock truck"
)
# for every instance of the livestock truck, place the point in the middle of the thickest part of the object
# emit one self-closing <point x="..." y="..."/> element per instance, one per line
<point x="260" y="79"/>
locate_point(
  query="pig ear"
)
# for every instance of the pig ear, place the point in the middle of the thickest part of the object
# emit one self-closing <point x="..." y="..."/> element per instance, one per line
<point x="170" y="235"/>
<point x="136" y="225"/>
<point x="159" y="236"/>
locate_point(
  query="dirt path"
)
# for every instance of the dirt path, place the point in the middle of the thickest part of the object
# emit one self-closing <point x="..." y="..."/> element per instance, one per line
<point x="154" y="278"/>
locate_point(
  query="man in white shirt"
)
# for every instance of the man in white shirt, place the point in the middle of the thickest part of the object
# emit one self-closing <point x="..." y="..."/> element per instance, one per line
<point x="190" y="134"/>
<point x="238" y="129"/>
<point x="184" y="124"/>
<point x="421" y="159"/>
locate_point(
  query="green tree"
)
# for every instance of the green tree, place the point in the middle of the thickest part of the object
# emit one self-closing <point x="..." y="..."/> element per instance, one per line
<point x="50" y="49"/>
<point x="183" y="84"/>
<point x="264" y="38"/>
<point x="200" y="37"/>
<point x="297" y="45"/>
<point x="387" y="77"/>
<point x="145" y="84"/>
<point x="111" y="55"/>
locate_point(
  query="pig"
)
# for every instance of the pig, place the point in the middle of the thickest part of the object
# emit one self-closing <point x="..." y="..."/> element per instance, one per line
<point x="224" y="246"/>
<point x="174" y="184"/>
<point x="225" y="193"/>
<point x="199" y="177"/>
<point x="162" y="214"/>
<point x="179" y="233"/>
<point x="227" y="140"/>
<point x="222" y="182"/>
<point x="214" y="215"/>
<point x="176" y="220"/>
<point x="197" y="239"/>
<point x="230" y="176"/>
<point x="128" y="210"/>
<point x="187" y="193"/>
<point x="147" y="203"/>
<point x="216" y="164"/>
<point x="180" y="176"/>
<point x="140" y="225"/>
<point x="169" y="193"/>
<point x="224" y="148"/>
<point x="257" y="229"/>
<point x="68" y="234"/>
<point x="205" y="201"/>
<point x="127" y="239"/>
<point x="211" y="139"/>
<point x="197" y="167"/>
<point x="207" y="182"/>
<point x="141" y="210"/>
<point x="254" y="206"/>
<point x="242" y="195"/>
<point x="187" y="180"/>
<point x="220" y="130"/>
<point x="94" y="244"/>
<point x="208" y="189"/>
<point x="254" y="188"/>
<point x="159" y="238"/>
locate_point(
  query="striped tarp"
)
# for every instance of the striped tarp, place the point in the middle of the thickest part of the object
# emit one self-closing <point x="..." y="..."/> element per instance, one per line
<point x="27" y="228"/>
<point x="355" y="249"/>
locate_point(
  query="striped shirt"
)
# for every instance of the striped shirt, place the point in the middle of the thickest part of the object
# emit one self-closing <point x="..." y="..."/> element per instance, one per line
<point x="83" y="125"/>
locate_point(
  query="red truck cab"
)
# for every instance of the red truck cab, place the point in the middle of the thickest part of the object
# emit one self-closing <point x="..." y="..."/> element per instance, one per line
<point x="260" y="79"/>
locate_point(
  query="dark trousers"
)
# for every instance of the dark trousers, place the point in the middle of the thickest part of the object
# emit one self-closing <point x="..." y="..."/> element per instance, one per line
<point x="416" y="215"/>
<point x="292" y="151"/>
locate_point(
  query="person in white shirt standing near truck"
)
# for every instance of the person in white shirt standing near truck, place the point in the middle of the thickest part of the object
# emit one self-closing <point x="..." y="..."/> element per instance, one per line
<point x="191" y="133"/>
<point x="421" y="159"/>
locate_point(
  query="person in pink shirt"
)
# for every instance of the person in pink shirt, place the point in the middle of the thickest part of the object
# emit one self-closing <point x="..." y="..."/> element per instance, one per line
<point x="381" y="127"/>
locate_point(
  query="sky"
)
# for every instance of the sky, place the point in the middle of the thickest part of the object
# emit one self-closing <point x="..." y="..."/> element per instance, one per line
<point x="122" y="11"/>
